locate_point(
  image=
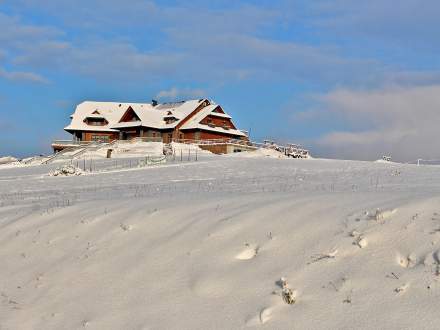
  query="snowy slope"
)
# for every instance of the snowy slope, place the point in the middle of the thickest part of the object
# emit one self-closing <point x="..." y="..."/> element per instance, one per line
<point x="203" y="245"/>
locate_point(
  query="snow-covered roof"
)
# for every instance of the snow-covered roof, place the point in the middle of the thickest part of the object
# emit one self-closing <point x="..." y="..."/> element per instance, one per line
<point x="94" y="115"/>
<point x="149" y="115"/>
<point x="199" y="116"/>
<point x="194" y="122"/>
<point x="219" y="114"/>
<point x="127" y="124"/>
<point x="219" y="129"/>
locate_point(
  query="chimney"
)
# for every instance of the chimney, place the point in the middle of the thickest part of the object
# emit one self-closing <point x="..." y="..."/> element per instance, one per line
<point x="153" y="103"/>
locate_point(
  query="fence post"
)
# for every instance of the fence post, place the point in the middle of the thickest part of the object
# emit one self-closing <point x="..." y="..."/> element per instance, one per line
<point x="181" y="155"/>
<point x="189" y="154"/>
<point x="196" y="154"/>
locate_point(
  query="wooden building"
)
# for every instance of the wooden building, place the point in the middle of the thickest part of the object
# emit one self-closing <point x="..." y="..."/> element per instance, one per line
<point x="187" y="120"/>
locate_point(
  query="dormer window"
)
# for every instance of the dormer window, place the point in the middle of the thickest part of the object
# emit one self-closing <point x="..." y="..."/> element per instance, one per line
<point x="96" y="121"/>
<point x="170" y="119"/>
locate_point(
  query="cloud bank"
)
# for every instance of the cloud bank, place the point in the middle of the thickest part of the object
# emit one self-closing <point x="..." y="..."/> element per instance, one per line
<point x="401" y="122"/>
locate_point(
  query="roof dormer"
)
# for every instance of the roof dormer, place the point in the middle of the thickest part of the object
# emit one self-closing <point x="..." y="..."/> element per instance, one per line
<point x="129" y="115"/>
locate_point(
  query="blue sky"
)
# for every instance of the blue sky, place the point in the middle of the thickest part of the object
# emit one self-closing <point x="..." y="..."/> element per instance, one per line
<point x="348" y="79"/>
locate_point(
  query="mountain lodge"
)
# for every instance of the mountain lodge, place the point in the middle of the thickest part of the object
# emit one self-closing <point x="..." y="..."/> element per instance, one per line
<point x="187" y="120"/>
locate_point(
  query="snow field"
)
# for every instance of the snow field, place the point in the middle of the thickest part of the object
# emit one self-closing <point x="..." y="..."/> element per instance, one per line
<point x="219" y="243"/>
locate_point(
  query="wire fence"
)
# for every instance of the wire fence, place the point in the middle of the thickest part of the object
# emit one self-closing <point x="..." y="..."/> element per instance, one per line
<point x="113" y="164"/>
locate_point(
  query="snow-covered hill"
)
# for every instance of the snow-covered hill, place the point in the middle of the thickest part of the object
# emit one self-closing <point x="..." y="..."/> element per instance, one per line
<point x="203" y="245"/>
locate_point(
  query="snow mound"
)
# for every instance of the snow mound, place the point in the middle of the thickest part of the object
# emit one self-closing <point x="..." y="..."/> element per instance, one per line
<point x="261" y="153"/>
<point x="8" y="160"/>
<point x="383" y="161"/>
<point x="66" y="170"/>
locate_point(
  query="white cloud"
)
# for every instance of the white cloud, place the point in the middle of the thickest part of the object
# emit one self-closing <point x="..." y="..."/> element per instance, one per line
<point x="174" y="93"/>
<point x="402" y="122"/>
<point x="218" y="52"/>
<point x="22" y="76"/>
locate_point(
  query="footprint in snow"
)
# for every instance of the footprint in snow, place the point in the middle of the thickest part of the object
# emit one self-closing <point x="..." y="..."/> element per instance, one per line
<point x="407" y="261"/>
<point x="248" y="253"/>
<point x="359" y="239"/>
<point x="433" y="260"/>
<point x="382" y="215"/>
<point x="402" y="289"/>
<point x="125" y="227"/>
<point x="264" y="316"/>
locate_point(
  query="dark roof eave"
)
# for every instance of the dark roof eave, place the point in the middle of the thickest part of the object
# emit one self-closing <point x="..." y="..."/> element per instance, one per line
<point x="110" y="130"/>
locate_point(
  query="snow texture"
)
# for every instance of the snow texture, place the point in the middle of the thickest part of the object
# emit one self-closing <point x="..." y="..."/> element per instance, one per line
<point x="203" y="245"/>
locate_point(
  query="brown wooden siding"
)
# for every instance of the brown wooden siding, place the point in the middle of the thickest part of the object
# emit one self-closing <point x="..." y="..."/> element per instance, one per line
<point x="217" y="121"/>
<point x="129" y="115"/>
<point x="88" y="136"/>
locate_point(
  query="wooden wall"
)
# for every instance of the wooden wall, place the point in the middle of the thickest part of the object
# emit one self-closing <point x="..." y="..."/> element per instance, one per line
<point x="87" y="136"/>
<point x="217" y="121"/>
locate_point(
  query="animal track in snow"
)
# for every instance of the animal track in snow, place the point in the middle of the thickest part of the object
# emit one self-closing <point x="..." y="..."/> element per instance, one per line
<point x="125" y="227"/>
<point x="382" y="215"/>
<point x="408" y="261"/>
<point x="433" y="260"/>
<point x="402" y="288"/>
<point x="360" y="240"/>
<point x="248" y="253"/>
<point x="339" y="284"/>
<point x="320" y="256"/>
<point x="265" y="314"/>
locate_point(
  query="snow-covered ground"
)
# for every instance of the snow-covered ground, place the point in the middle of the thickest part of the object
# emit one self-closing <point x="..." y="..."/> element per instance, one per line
<point x="203" y="245"/>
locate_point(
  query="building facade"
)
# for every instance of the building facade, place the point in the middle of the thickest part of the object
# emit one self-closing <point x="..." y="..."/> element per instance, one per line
<point x="187" y="120"/>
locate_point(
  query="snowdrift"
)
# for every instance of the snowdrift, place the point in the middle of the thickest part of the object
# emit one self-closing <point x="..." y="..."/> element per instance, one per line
<point x="7" y="160"/>
<point x="224" y="243"/>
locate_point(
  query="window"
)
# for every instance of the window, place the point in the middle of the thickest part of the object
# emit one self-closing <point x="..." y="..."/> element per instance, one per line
<point x="170" y="120"/>
<point x="100" y="138"/>
<point x="96" y="121"/>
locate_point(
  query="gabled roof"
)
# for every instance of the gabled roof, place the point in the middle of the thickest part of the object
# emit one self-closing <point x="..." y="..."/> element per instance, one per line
<point x="194" y="122"/>
<point x="149" y="115"/>
<point x="109" y="110"/>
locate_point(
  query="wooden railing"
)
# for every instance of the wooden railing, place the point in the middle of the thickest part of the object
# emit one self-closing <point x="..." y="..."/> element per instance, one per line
<point x="290" y="149"/>
<point x="69" y="142"/>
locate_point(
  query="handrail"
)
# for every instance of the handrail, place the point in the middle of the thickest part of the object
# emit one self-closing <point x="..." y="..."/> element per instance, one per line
<point x="291" y="149"/>
<point x="69" y="142"/>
